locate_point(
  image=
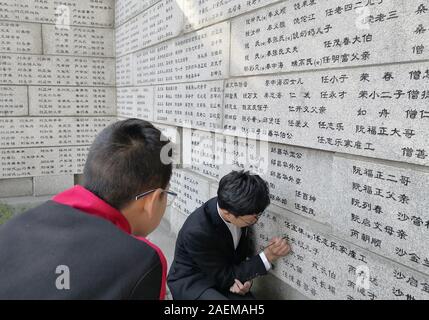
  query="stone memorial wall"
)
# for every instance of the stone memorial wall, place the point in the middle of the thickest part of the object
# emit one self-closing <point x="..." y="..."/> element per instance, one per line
<point x="57" y="90"/>
<point x="327" y="100"/>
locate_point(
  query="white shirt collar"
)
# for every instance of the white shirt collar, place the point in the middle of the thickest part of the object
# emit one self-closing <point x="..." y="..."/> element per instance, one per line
<point x="220" y="215"/>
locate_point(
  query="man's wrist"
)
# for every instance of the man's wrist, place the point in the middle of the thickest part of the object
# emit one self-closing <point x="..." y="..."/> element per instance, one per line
<point x="265" y="260"/>
<point x="268" y="256"/>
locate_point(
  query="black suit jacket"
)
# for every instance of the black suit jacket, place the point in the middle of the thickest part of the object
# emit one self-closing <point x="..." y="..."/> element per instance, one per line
<point x="205" y="256"/>
<point x="104" y="261"/>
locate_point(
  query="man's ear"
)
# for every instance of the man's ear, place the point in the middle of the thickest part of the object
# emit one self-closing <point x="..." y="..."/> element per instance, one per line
<point x="227" y="215"/>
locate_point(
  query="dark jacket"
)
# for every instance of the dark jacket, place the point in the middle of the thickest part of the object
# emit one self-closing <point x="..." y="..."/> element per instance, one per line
<point x="205" y="256"/>
<point x="94" y="242"/>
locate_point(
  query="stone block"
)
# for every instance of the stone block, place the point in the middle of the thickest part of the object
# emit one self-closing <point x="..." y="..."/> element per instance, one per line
<point x="162" y="21"/>
<point x="78" y="41"/>
<point x="193" y="105"/>
<point x="50" y="131"/>
<point x="51" y="185"/>
<point x="13" y="101"/>
<point x="376" y="112"/>
<point x="197" y="56"/>
<point x="20" y="37"/>
<point x="29" y="162"/>
<point x="16" y="187"/>
<point x="289" y="36"/>
<point x="72" y="101"/>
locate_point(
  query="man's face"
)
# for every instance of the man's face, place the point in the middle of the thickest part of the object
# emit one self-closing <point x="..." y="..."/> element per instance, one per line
<point x="243" y="221"/>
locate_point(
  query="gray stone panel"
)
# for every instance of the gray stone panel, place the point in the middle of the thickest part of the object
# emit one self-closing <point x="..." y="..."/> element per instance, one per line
<point x="298" y="178"/>
<point x="124" y="71"/>
<point x="126" y="9"/>
<point x="160" y="22"/>
<point x="197" y="56"/>
<point x="70" y="101"/>
<point x="66" y="13"/>
<point x="174" y="134"/>
<point x="323" y="267"/>
<point x="78" y="41"/>
<point x="50" y="131"/>
<point x="193" y="191"/>
<point x="50" y="185"/>
<point x="382" y="207"/>
<point x="135" y="102"/>
<point x="13" y="101"/>
<point x="28" y="162"/>
<point x="373" y="111"/>
<point x="56" y="70"/>
<point x="327" y="34"/>
<point x="16" y="187"/>
<point x="193" y="105"/>
<point x="202" y="13"/>
<point x="20" y="37"/>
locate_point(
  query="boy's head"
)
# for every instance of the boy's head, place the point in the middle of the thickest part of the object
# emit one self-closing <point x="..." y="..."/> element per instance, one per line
<point x="125" y="161"/>
<point x="242" y="197"/>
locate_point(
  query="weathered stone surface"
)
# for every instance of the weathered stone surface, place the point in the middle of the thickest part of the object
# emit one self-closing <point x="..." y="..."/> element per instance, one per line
<point x="270" y="288"/>
<point x="124" y="71"/>
<point x="16" y="187"/>
<point x="160" y="22"/>
<point x="71" y="12"/>
<point x="20" y="37"/>
<point x="323" y="267"/>
<point x="29" y="162"/>
<point x="78" y="41"/>
<point x="135" y="102"/>
<point x="383" y="208"/>
<point x="13" y="101"/>
<point x="56" y="70"/>
<point x="202" y="13"/>
<point x="193" y="105"/>
<point x="373" y="111"/>
<point x="50" y="131"/>
<point x="192" y="190"/>
<point x="70" y="101"/>
<point x="292" y="36"/>
<point x="126" y="9"/>
<point x="49" y="185"/>
<point x="197" y="56"/>
<point x="203" y="153"/>
<point x="174" y="135"/>
<point x="298" y="177"/>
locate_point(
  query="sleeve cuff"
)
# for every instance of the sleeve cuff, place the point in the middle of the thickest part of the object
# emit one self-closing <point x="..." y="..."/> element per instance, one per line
<point x="264" y="259"/>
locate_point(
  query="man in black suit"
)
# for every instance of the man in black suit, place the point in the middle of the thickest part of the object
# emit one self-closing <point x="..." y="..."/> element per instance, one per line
<point x="211" y="260"/>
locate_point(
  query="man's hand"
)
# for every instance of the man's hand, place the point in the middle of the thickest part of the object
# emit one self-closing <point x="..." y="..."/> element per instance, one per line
<point x="241" y="289"/>
<point x="278" y="248"/>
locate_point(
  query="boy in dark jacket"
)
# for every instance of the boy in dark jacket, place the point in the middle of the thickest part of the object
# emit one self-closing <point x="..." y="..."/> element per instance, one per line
<point x="88" y="242"/>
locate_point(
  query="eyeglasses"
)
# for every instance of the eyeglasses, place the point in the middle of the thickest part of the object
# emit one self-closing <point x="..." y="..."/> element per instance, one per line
<point x="170" y="195"/>
<point x="257" y="217"/>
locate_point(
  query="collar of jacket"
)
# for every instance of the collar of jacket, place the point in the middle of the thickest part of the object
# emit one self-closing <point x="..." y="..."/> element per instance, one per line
<point x="84" y="200"/>
<point x="215" y="217"/>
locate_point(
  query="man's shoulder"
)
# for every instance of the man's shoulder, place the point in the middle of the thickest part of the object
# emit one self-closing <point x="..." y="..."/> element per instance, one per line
<point x="199" y="222"/>
<point x="202" y="215"/>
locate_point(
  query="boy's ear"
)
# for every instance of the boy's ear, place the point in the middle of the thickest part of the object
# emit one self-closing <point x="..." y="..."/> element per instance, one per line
<point x="153" y="200"/>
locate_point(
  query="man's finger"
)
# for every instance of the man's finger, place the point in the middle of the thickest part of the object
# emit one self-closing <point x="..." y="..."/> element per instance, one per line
<point x="234" y="289"/>
<point x="239" y="284"/>
<point x="247" y="285"/>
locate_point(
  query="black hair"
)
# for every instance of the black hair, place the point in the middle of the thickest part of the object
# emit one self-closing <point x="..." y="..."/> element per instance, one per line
<point x="125" y="160"/>
<point x="242" y="193"/>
